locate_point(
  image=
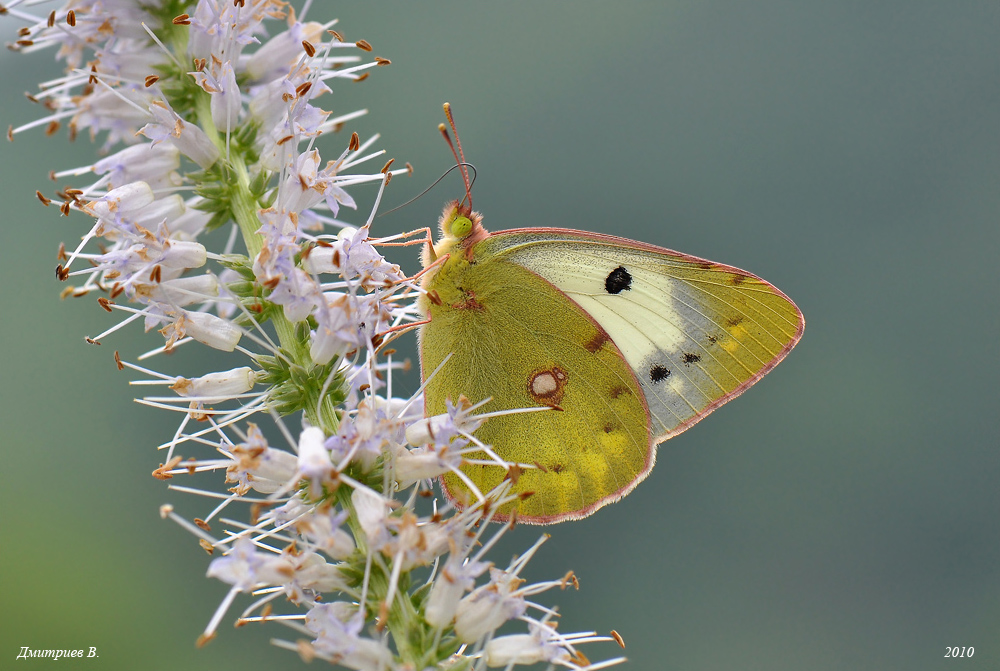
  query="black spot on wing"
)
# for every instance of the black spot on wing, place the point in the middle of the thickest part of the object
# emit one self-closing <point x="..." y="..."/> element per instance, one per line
<point x="658" y="373"/>
<point x="618" y="280"/>
<point x="690" y="358"/>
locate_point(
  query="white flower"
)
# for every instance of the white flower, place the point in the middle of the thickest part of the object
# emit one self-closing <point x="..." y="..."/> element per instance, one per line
<point x="323" y="529"/>
<point x="364" y="436"/>
<point x="155" y="215"/>
<point x="156" y="165"/>
<point x="180" y="291"/>
<point x="223" y="384"/>
<point x="314" y="460"/>
<point x="425" y="463"/>
<point x="120" y="112"/>
<point x="282" y="50"/>
<point x="276" y="269"/>
<point x="309" y="575"/>
<point x="306" y="186"/>
<point x="121" y="203"/>
<point x="167" y="125"/>
<point x="246" y="568"/>
<point x="373" y="515"/>
<point x="489" y="606"/>
<point x="225" y="93"/>
<point x="543" y="644"/>
<point x="216" y="332"/>
<point x="441" y="430"/>
<point x="338" y="638"/>
<point x="257" y="465"/>
<point x="362" y="261"/>
<point x="458" y="576"/>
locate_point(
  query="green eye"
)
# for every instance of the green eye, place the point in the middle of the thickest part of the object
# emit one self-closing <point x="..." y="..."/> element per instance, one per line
<point x="461" y="227"/>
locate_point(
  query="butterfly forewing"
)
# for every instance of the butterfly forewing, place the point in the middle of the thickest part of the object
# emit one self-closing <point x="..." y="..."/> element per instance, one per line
<point x="695" y="333"/>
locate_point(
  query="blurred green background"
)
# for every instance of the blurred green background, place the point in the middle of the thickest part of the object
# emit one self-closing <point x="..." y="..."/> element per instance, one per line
<point x="843" y="514"/>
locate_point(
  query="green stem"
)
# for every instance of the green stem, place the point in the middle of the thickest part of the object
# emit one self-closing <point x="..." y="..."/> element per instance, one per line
<point x="404" y="622"/>
<point x="244" y="210"/>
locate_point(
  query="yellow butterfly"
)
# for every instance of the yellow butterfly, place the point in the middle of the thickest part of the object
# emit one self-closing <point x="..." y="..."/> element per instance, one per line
<point x="628" y="344"/>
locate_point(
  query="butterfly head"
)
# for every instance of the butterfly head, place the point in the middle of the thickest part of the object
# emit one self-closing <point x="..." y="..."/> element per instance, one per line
<point x="459" y="226"/>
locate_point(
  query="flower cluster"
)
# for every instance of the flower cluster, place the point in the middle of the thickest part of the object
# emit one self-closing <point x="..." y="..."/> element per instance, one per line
<point x="210" y="115"/>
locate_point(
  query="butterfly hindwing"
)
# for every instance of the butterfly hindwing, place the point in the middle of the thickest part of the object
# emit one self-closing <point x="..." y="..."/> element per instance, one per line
<point x="514" y="338"/>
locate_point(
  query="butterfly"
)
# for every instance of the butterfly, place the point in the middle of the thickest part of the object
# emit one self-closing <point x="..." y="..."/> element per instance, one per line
<point x="621" y="344"/>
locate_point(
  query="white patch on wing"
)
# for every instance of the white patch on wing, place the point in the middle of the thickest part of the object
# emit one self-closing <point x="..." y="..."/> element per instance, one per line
<point x="646" y="302"/>
<point x="652" y="322"/>
<point x="544" y="383"/>
<point x="617" y="315"/>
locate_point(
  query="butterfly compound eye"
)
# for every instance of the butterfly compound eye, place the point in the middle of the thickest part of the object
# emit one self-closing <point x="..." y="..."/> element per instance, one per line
<point x="461" y="227"/>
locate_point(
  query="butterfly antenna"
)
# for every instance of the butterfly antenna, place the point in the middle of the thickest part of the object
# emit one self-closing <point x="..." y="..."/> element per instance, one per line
<point x="458" y="154"/>
<point x="467" y="166"/>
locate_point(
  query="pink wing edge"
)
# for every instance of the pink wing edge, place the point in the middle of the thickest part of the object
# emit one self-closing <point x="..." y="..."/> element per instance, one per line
<point x="654" y="441"/>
